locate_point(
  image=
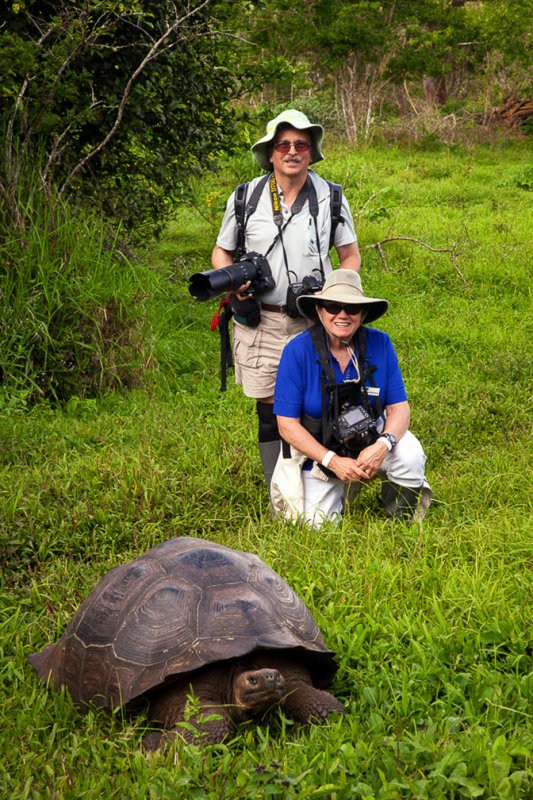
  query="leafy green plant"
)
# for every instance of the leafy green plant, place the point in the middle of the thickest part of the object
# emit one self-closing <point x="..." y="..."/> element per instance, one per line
<point x="523" y="178"/>
<point x="119" y="132"/>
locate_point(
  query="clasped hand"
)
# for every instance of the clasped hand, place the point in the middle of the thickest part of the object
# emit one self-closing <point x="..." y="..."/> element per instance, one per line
<point x="362" y="468"/>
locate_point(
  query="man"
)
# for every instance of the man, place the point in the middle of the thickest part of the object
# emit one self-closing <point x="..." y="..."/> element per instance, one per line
<point x="291" y="226"/>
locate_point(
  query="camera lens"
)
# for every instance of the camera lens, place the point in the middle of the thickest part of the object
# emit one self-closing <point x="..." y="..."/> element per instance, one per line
<point x="204" y="285"/>
<point x="252" y="267"/>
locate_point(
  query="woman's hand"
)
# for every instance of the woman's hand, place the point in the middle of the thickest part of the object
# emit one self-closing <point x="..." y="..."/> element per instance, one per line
<point x="347" y="469"/>
<point x="362" y="468"/>
<point x="370" y="459"/>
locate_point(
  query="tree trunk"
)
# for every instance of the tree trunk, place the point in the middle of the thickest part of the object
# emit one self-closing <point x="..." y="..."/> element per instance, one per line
<point x="400" y="99"/>
<point x="435" y="90"/>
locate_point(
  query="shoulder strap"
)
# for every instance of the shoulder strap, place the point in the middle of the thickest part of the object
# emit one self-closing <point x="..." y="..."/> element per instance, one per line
<point x="335" y="205"/>
<point x="367" y="371"/>
<point x="317" y="337"/>
<point x="221" y="321"/>
<point x="313" y="199"/>
<point x="327" y="377"/>
<point x="244" y="210"/>
<point x="240" y="217"/>
<point x="316" y="332"/>
<point x="251" y="205"/>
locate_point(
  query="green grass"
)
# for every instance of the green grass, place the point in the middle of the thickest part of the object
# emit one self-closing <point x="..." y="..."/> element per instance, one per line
<point x="432" y="624"/>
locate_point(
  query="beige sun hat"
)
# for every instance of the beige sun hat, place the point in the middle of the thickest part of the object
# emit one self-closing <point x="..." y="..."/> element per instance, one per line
<point x="296" y="119"/>
<point x="343" y="286"/>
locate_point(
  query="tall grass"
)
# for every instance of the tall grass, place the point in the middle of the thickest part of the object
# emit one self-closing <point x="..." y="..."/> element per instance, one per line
<point x="72" y="317"/>
<point x="431" y="624"/>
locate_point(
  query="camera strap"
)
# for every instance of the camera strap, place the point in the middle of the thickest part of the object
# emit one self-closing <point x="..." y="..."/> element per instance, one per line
<point x="220" y="321"/>
<point x="367" y="374"/>
<point x="307" y="192"/>
<point x="245" y="208"/>
<point x="329" y="385"/>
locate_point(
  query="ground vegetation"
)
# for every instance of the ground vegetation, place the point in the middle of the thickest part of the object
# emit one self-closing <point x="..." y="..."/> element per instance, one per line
<point x="431" y="624"/>
<point x="120" y="120"/>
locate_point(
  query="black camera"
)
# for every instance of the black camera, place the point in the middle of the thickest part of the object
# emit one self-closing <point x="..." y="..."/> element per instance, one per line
<point x="252" y="267"/>
<point x="308" y="285"/>
<point x="355" y="428"/>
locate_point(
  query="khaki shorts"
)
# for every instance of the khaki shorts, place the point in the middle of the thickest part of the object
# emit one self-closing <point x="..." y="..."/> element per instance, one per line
<point x="257" y="351"/>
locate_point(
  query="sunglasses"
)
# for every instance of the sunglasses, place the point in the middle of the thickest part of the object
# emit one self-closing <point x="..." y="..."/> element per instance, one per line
<point x="335" y="308"/>
<point x="284" y="147"/>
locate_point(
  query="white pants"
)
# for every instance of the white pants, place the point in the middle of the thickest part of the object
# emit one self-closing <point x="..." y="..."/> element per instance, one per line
<point x="324" y="500"/>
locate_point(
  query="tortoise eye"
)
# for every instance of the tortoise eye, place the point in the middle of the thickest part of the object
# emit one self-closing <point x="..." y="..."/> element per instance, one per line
<point x="252" y="680"/>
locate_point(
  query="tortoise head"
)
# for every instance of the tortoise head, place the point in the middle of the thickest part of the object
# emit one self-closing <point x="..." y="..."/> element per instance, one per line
<point x="256" y="690"/>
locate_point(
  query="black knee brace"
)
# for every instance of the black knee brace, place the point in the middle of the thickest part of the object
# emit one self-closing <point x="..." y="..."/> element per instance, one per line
<point x="268" y="425"/>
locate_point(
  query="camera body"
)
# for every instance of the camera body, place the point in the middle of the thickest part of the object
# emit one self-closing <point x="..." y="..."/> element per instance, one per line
<point x="251" y="267"/>
<point x="355" y="427"/>
<point x="308" y="285"/>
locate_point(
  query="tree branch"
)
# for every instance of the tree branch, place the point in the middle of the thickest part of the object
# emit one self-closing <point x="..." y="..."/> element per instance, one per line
<point x="154" y="51"/>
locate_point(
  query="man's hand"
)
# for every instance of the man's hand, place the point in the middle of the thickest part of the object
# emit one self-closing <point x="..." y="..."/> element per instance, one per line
<point x="241" y="293"/>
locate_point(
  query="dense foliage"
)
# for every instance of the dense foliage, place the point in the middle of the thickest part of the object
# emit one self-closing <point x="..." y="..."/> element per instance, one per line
<point x="108" y="108"/>
<point x="115" y="101"/>
<point x="366" y="53"/>
<point x="72" y="320"/>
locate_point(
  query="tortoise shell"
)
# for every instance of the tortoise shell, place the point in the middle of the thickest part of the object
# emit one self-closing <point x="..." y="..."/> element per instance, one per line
<point x="182" y="605"/>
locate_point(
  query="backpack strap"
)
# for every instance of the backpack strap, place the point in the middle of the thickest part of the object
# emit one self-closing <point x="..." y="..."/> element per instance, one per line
<point x="244" y="210"/>
<point x="335" y="205"/>
<point x="240" y="217"/>
<point x="220" y="321"/>
<point x="316" y="332"/>
<point x="327" y="378"/>
<point x="367" y="373"/>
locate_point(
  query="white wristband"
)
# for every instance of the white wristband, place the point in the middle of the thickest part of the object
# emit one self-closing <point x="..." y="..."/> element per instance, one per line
<point x="387" y="442"/>
<point x="327" y="458"/>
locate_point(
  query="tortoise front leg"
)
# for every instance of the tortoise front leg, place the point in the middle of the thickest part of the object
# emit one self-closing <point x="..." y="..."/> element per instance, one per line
<point x="306" y="704"/>
<point x="168" y="708"/>
<point x="212" y="731"/>
<point x="302" y="701"/>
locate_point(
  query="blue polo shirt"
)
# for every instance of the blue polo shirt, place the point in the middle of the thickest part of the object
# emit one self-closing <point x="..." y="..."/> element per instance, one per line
<point x="298" y="388"/>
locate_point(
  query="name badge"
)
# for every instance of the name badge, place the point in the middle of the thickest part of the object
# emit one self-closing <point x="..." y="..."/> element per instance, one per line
<point x="373" y="391"/>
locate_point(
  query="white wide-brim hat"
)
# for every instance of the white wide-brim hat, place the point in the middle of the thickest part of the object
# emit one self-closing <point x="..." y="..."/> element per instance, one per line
<point x="296" y="119"/>
<point x="343" y="286"/>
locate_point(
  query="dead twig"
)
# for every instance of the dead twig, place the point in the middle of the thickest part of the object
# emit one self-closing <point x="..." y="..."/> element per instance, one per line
<point x="382" y="254"/>
<point x="450" y="250"/>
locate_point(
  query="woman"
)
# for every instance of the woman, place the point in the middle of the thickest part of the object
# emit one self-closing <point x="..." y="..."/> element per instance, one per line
<point x="341" y="406"/>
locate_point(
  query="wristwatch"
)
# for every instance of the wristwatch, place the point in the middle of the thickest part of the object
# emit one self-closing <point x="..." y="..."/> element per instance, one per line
<point x="390" y="437"/>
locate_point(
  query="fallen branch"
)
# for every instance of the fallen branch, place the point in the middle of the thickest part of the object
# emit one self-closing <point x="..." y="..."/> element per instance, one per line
<point x="450" y="250"/>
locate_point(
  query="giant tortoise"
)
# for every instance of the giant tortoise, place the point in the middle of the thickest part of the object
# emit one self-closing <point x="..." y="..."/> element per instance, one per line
<point x="194" y="617"/>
